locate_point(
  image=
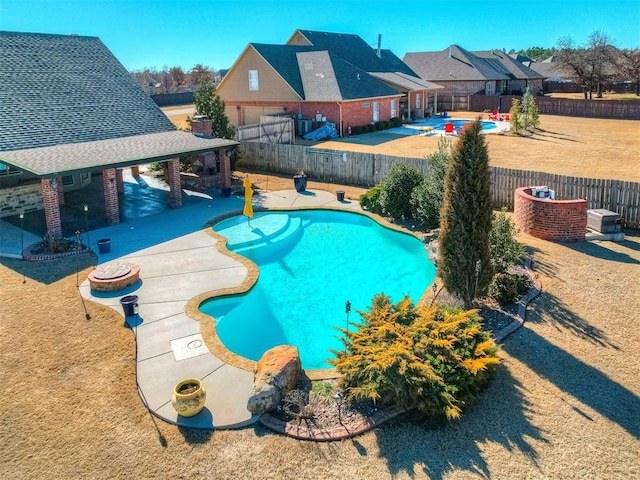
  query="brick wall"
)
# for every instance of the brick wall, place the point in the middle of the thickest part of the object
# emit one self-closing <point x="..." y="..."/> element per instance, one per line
<point x="24" y="198"/>
<point x="558" y="220"/>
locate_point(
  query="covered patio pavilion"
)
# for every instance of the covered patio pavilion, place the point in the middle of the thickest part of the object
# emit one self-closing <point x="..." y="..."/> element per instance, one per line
<point x="52" y="163"/>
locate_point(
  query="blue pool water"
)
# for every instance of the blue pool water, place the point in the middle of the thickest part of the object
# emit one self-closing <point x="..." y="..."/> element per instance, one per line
<point x="311" y="263"/>
<point x="438" y="124"/>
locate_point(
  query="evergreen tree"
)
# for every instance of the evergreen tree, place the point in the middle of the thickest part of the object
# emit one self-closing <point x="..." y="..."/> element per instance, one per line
<point x="209" y="103"/>
<point x="532" y="113"/>
<point x="515" y="116"/>
<point x="527" y="100"/>
<point x="431" y="358"/>
<point x="464" y="262"/>
<point x="395" y="197"/>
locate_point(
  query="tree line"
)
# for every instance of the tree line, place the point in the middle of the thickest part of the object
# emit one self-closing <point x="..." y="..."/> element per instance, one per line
<point x="175" y="79"/>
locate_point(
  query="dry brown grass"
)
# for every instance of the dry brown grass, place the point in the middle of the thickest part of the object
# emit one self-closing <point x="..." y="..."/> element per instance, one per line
<point x="581" y="147"/>
<point x="564" y="405"/>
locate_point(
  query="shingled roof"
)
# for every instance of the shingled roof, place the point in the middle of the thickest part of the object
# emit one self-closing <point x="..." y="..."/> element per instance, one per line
<point x="317" y="74"/>
<point x="456" y="63"/>
<point x="68" y="90"/>
<point x="354" y="49"/>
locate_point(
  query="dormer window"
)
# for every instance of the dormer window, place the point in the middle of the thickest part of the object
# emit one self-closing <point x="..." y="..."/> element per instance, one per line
<point x="253" y="80"/>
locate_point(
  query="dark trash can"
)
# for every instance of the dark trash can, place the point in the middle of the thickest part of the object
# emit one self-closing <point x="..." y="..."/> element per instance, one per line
<point x="226" y="192"/>
<point x="340" y="195"/>
<point x="129" y="305"/>
<point x="300" y="182"/>
<point x="104" y="245"/>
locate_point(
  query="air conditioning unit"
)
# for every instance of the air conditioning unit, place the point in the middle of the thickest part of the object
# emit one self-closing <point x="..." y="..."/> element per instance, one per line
<point x="603" y="221"/>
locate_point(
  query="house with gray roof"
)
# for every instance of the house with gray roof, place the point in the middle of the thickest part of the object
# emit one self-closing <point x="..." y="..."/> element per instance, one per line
<point x="321" y="75"/>
<point x="69" y="109"/>
<point x="463" y="73"/>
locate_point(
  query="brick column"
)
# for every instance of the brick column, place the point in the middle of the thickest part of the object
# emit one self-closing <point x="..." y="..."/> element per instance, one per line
<point x="225" y="169"/>
<point x="135" y="171"/>
<point x="173" y="179"/>
<point x="60" y="188"/>
<point x="120" y="180"/>
<point x="111" y="204"/>
<point x="51" y="208"/>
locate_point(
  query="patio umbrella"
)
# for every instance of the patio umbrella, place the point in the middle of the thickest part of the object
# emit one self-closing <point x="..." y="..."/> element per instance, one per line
<point x="248" y="193"/>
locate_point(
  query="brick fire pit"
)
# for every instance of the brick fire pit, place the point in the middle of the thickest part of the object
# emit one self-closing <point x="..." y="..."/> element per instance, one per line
<point x="114" y="276"/>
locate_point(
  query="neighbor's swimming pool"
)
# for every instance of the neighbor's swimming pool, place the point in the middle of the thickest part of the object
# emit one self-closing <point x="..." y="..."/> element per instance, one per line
<point x="311" y="263"/>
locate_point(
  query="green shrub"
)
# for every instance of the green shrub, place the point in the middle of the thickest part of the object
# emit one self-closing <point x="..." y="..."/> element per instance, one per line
<point x="379" y="126"/>
<point x="357" y="130"/>
<point x="431" y="358"/>
<point x="396" y="122"/>
<point x="505" y="288"/>
<point x="504" y="250"/>
<point x="371" y="199"/>
<point x="387" y="124"/>
<point x="397" y="188"/>
<point x="371" y="127"/>
<point x="426" y="198"/>
<point x="155" y="166"/>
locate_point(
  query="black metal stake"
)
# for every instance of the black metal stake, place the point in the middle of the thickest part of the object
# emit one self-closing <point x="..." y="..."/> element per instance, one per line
<point x="86" y="222"/>
<point x="84" y="306"/>
<point x="24" y="279"/>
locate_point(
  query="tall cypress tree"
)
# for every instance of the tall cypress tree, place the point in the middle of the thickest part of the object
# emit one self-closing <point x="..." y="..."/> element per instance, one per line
<point x="464" y="260"/>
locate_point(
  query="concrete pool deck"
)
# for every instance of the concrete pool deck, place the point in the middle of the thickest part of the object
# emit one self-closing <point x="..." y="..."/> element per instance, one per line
<point x="169" y="344"/>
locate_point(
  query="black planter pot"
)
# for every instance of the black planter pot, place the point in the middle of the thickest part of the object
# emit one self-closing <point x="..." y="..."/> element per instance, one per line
<point x="226" y="192"/>
<point x="300" y="182"/>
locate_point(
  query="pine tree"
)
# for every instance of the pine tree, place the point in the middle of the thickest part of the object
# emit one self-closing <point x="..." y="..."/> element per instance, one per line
<point x="209" y="103"/>
<point x="533" y="114"/>
<point x="464" y="262"/>
<point x="527" y="100"/>
<point x="515" y="116"/>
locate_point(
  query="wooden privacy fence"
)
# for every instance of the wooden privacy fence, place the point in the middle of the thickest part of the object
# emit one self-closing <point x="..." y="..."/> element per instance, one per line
<point x="622" y="109"/>
<point x="368" y="169"/>
<point x="269" y="130"/>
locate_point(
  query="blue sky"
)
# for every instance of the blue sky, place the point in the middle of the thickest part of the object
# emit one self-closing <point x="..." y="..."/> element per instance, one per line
<point x="162" y="33"/>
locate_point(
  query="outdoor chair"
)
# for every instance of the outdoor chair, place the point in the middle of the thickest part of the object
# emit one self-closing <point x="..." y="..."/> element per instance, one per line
<point x="494" y="115"/>
<point x="449" y="129"/>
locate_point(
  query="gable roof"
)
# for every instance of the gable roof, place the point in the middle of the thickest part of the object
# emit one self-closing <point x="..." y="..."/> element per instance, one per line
<point x="66" y="89"/>
<point x="354" y="49"/>
<point x="456" y="63"/>
<point x="67" y="104"/>
<point x="316" y="74"/>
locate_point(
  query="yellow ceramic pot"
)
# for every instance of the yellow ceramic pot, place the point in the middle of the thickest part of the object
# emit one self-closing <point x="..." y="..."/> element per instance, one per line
<point x="188" y="397"/>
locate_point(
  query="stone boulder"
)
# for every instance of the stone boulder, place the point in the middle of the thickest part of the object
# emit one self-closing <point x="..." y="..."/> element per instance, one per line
<point x="277" y="373"/>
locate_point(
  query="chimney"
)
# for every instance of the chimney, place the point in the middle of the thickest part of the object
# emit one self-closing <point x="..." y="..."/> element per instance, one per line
<point x="202" y="126"/>
<point x="379" y="45"/>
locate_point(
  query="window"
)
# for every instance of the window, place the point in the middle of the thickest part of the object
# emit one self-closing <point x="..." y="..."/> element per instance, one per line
<point x="253" y="80"/>
<point x="418" y="101"/>
<point x="376" y="111"/>
<point x="67" y="180"/>
<point x="393" y="109"/>
<point x="365" y="105"/>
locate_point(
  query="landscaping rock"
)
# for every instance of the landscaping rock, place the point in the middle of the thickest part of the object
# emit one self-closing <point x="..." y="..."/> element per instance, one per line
<point x="277" y="373"/>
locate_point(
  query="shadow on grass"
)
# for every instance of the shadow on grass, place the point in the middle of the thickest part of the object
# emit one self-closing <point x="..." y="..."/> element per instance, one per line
<point x="552" y="311"/>
<point x="50" y="271"/>
<point x="600" y="250"/>
<point x="437" y="450"/>
<point x="583" y="382"/>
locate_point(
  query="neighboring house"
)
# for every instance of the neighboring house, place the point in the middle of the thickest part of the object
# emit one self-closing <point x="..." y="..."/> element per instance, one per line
<point x="462" y="72"/>
<point x="68" y="108"/>
<point x="321" y="75"/>
<point x="552" y="71"/>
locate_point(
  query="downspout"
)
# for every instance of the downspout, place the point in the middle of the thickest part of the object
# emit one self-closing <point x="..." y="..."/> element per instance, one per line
<point x="340" y="109"/>
<point x="408" y="106"/>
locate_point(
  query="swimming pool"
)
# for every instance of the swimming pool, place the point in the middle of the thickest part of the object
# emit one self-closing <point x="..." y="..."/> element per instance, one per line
<point x="311" y="263"/>
<point x="438" y="123"/>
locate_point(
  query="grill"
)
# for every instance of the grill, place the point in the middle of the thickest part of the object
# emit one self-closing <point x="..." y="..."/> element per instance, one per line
<point x="603" y="221"/>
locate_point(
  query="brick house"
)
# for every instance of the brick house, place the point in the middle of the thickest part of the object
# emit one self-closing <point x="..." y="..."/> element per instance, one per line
<point x="321" y="75"/>
<point x="69" y="109"/>
<point x="462" y="72"/>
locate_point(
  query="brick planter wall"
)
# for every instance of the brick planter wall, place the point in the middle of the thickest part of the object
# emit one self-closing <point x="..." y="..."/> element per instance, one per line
<point x="558" y="220"/>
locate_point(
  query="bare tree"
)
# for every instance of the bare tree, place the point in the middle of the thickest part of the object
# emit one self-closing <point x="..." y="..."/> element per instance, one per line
<point x="630" y="66"/>
<point x="178" y="78"/>
<point x="200" y="74"/>
<point x="593" y="64"/>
